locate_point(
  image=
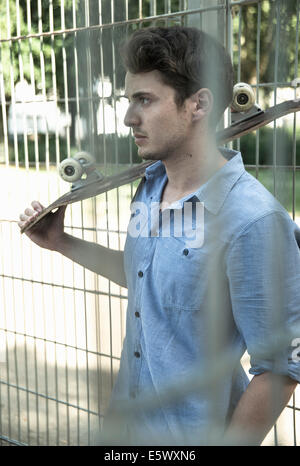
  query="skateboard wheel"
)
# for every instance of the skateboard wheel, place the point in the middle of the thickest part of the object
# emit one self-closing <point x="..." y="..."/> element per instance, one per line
<point x="70" y="170"/>
<point x="243" y="97"/>
<point x="84" y="158"/>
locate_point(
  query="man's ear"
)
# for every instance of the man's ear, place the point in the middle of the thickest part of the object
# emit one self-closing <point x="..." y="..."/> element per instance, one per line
<point x="202" y="104"/>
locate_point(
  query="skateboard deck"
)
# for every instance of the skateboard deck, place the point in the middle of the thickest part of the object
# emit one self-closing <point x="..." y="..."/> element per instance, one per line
<point x="236" y="130"/>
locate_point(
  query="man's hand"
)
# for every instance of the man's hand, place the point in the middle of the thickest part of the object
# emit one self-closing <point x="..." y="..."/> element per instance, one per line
<point x="49" y="234"/>
<point x="49" y="231"/>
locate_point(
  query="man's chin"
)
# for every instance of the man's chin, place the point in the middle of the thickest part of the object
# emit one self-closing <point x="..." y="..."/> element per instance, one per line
<point x="148" y="155"/>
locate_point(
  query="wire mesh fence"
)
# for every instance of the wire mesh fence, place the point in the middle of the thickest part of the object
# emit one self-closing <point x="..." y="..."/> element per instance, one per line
<point x="61" y="88"/>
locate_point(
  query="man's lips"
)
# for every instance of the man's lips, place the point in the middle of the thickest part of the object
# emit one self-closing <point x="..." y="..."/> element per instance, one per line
<point x="139" y="138"/>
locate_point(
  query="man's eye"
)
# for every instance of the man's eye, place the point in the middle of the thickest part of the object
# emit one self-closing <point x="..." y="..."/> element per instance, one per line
<point x="144" y="100"/>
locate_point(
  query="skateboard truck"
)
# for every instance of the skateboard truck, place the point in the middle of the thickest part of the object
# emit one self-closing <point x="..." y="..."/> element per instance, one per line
<point x="243" y="103"/>
<point x="73" y="169"/>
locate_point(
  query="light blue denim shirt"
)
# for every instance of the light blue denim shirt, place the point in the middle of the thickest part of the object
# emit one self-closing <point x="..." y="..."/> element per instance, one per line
<point x="190" y="306"/>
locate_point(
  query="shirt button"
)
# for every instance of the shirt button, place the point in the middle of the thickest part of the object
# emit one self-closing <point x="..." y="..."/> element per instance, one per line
<point x="185" y="252"/>
<point x="137" y="354"/>
<point x="137" y="314"/>
<point x="140" y="274"/>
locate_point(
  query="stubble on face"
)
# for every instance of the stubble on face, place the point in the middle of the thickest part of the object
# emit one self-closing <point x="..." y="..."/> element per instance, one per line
<point x="168" y="137"/>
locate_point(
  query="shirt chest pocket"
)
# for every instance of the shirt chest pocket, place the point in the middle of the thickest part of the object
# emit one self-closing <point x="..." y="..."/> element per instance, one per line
<point x="180" y="275"/>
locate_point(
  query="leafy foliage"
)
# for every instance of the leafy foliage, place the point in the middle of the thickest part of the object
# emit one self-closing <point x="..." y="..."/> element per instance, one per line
<point x="273" y="37"/>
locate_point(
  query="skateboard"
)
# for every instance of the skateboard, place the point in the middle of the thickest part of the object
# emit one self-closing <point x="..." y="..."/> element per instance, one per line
<point x="87" y="182"/>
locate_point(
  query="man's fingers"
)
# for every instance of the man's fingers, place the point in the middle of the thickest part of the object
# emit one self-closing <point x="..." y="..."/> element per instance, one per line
<point x="27" y="217"/>
<point x="22" y="223"/>
<point x="29" y="212"/>
<point x="37" y="206"/>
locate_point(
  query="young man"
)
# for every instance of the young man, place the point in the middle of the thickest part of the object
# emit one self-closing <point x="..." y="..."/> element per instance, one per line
<point x="195" y="304"/>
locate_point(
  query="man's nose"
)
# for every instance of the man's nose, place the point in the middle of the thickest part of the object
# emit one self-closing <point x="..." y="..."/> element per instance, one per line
<point x="131" y="118"/>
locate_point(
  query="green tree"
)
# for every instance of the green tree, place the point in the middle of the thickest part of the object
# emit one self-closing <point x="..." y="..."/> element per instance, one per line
<point x="31" y="58"/>
<point x="277" y="30"/>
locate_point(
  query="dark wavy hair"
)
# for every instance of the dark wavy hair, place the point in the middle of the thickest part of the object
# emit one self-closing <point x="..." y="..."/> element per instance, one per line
<point x="188" y="60"/>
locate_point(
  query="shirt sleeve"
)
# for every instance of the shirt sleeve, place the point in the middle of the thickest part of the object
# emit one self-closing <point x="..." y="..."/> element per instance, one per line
<point x="263" y="270"/>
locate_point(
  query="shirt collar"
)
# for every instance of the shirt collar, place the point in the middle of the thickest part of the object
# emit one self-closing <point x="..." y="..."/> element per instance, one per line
<point x="156" y="169"/>
<point x="214" y="192"/>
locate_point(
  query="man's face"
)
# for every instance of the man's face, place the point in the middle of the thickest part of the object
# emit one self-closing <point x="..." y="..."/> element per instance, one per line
<point x="160" y="128"/>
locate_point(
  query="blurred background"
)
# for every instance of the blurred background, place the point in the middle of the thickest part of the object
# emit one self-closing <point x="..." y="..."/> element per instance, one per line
<point x="61" y="87"/>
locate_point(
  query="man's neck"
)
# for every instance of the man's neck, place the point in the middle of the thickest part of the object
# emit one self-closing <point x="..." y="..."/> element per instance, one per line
<point x="186" y="173"/>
